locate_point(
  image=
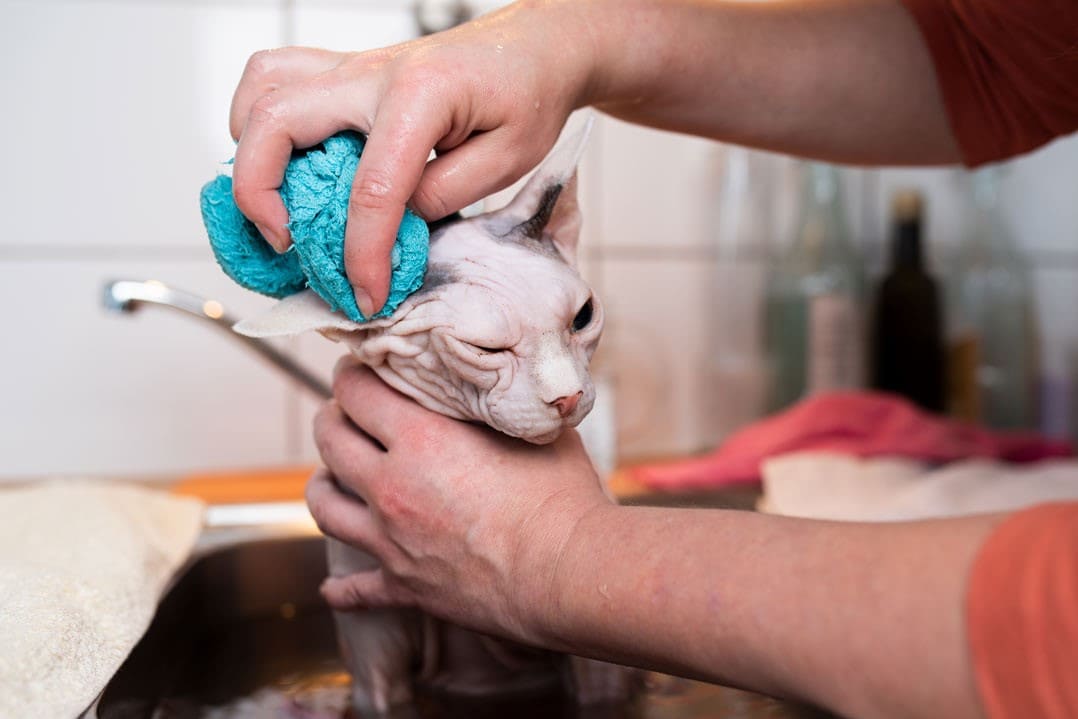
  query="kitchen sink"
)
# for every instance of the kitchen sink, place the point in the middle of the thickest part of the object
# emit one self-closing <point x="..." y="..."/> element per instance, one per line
<point x="244" y="633"/>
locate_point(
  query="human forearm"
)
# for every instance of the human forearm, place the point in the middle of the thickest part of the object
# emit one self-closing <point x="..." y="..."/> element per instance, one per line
<point x="845" y="80"/>
<point x="866" y="620"/>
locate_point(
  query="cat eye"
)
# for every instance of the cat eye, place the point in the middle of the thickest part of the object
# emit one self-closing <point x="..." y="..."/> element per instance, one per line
<point x="488" y="350"/>
<point x="583" y="317"/>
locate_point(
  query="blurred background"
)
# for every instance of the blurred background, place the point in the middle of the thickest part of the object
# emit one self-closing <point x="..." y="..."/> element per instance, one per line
<point x="115" y="114"/>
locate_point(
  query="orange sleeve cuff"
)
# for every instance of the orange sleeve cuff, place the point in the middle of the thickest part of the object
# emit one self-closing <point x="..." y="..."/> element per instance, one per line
<point x="1022" y="615"/>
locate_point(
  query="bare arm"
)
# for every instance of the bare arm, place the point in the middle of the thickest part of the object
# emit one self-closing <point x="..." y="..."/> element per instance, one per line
<point x="845" y="80"/>
<point x="842" y="80"/>
<point x="518" y="540"/>
<point x="867" y="621"/>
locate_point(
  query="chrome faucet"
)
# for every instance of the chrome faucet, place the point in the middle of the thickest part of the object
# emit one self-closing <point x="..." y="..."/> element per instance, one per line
<point x="129" y="295"/>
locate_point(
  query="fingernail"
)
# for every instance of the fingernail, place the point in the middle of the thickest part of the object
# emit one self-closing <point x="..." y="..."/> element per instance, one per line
<point x="271" y="237"/>
<point x="366" y="304"/>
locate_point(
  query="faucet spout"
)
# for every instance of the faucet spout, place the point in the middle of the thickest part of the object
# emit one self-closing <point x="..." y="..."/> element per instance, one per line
<point x="127" y="296"/>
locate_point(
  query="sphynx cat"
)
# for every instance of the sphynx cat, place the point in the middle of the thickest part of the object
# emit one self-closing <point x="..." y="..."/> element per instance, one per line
<point x="501" y="332"/>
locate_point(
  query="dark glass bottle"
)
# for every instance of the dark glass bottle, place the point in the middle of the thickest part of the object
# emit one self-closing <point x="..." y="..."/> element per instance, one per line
<point x="907" y="347"/>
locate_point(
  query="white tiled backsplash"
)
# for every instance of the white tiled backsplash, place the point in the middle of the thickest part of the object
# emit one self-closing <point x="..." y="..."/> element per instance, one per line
<point x="117" y="113"/>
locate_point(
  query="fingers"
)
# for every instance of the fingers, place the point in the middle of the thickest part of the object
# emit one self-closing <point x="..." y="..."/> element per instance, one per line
<point x="363" y="590"/>
<point x="481" y="166"/>
<point x="374" y="407"/>
<point x="270" y="70"/>
<point x="298" y="115"/>
<point x="346" y="448"/>
<point x="405" y="131"/>
<point x="339" y="515"/>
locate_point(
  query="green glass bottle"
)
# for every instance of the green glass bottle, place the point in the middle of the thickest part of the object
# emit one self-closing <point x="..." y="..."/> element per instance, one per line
<point x="994" y="340"/>
<point x="813" y="316"/>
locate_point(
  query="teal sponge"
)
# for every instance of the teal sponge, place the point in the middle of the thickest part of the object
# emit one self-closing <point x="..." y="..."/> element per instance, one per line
<point x="315" y="190"/>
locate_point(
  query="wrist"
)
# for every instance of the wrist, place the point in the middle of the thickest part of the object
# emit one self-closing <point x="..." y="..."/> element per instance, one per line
<point x="625" y="43"/>
<point x="574" y="62"/>
<point x="549" y="543"/>
<point x="566" y="539"/>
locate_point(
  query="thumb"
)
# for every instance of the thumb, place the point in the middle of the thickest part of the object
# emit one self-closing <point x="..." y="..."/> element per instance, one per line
<point x="363" y="590"/>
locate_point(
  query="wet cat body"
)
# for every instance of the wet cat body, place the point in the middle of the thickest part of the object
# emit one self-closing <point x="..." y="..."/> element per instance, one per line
<point x="501" y="332"/>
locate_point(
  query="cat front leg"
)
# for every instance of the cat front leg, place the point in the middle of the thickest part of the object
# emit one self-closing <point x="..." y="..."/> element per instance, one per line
<point x="380" y="647"/>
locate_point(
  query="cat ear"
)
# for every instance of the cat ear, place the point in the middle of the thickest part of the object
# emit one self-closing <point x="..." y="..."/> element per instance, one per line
<point x="546" y="208"/>
<point x="295" y="314"/>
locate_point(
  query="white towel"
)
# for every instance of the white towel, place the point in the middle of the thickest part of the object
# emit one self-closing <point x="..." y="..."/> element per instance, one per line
<point x="82" y="565"/>
<point x="834" y="486"/>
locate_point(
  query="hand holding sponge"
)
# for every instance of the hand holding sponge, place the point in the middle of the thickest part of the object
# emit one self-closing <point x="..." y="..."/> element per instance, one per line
<point x="315" y="190"/>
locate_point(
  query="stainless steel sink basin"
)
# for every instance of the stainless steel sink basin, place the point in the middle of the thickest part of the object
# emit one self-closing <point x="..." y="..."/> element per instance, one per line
<point x="244" y="633"/>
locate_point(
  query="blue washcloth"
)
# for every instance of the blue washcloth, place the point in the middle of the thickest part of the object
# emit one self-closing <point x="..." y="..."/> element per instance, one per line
<point x="315" y="191"/>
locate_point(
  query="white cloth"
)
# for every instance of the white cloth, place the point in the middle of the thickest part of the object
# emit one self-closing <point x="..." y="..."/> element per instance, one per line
<point x="835" y="486"/>
<point x="82" y="565"/>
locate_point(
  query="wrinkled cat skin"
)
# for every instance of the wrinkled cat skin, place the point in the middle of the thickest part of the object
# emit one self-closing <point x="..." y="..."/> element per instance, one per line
<point x="501" y="332"/>
<point x="466" y="349"/>
<point x="497" y="334"/>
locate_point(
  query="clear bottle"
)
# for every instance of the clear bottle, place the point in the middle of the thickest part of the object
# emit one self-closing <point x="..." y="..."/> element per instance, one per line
<point x="994" y="344"/>
<point x="744" y="231"/>
<point x="813" y="313"/>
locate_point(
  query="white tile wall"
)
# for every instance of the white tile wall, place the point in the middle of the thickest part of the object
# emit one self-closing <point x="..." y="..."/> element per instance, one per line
<point x="654" y="353"/>
<point x="116" y="114"/>
<point x="647" y="177"/>
<point x="350" y="25"/>
<point x="87" y="391"/>
<point x="119" y="115"/>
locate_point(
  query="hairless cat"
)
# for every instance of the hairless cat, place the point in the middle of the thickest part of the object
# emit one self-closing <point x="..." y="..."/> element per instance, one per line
<point x="501" y="332"/>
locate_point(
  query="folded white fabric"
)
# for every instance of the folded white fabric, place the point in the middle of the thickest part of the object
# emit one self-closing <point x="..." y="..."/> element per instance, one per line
<point x="836" y="486"/>
<point x="82" y="565"/>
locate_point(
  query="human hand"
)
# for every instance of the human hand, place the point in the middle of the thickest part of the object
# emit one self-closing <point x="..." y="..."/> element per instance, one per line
<point x="490" y="97"/>
<point x="468" y="524"/>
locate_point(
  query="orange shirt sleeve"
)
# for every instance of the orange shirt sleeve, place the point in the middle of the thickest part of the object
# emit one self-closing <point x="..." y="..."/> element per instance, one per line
<point x="1022" y="615"/>
<point x="1007" y="69"/>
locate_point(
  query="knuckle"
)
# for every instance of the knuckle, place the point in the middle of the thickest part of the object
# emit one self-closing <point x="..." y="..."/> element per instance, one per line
<point x="324" y="441"/>
<point x="353" y="592"/>
<point x="373" y="190"/>
<point x="260" y="64"/>
<point x="345" y="363"/>
<point x="317" y="507"/>
<point x="343" y="373"/>
<point x="345" y="380"/>
<point x="429" y="200"/>
<point x="242" y="193"/>
<point x="268" y="109"/>
<point x="246" y="197"/>
<point x="320" y="521"/>
<point x="394" y="506"/>
<point x="322" y="419"/>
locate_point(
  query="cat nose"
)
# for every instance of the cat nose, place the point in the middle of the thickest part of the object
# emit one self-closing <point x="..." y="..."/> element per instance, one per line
<point x="566" y="405"/>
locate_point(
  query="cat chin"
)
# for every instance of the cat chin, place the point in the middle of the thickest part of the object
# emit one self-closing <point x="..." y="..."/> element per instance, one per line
<point x="545" y="438"/>
<point x="534" y="436"/>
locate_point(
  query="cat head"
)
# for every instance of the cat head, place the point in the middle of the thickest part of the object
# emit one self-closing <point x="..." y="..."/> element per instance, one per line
<point x="502" y="329"/>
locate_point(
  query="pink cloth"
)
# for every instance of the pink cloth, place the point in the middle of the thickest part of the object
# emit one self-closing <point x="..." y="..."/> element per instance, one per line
<point x="861" y="424"/>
